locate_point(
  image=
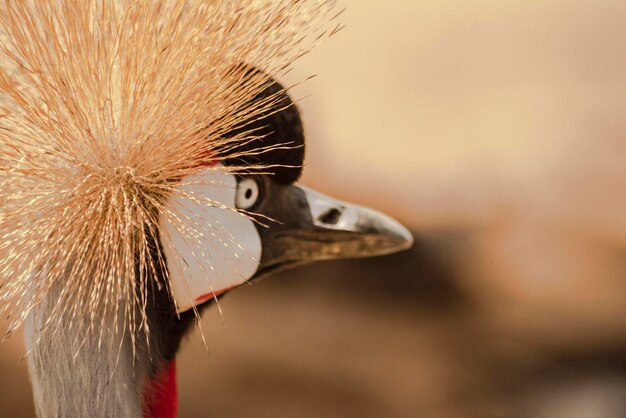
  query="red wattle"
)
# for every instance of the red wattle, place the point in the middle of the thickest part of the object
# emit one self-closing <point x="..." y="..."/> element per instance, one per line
<point x="160" y="396"/>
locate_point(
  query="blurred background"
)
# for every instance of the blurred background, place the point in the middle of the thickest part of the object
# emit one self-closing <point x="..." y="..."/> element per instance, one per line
<point x="494" y="130"/>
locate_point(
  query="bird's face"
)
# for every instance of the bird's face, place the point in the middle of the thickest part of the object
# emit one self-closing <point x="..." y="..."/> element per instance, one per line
<point x="277" y="222"/>
<point x="287" y="225"/>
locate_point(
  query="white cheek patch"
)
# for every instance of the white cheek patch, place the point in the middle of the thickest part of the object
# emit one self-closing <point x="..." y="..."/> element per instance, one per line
<point x="208" y="249"/>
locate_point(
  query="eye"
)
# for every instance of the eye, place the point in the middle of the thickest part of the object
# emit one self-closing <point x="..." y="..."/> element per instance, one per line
<point x="247" y="193"/>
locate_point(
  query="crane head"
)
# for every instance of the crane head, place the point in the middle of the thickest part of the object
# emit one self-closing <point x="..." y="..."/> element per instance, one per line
<point x="277" y="223"/>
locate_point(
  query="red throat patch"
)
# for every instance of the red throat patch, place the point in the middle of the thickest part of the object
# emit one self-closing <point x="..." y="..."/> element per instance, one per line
<point x="160" y="398"/>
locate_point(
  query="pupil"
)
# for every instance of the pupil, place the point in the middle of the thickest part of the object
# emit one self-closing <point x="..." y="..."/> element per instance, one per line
<point x="248" y="194"/>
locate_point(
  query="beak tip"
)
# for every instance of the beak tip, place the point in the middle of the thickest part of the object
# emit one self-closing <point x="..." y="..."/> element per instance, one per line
<point x="402" y="238"/>
<point x="408" y="239"/>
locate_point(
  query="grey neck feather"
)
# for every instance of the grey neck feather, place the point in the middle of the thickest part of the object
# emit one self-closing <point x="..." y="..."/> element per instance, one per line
<point x="86" y="381"/>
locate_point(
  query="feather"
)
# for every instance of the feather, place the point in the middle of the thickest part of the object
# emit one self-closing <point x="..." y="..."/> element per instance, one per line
<point x="104" y="106"/>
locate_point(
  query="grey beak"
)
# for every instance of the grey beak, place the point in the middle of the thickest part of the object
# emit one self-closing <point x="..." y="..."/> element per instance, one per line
<point x="313" y="226"/>
<point x="347" y="230"/>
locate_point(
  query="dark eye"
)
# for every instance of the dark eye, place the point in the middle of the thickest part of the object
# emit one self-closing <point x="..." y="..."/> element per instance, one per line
<point x="247" y="193"/>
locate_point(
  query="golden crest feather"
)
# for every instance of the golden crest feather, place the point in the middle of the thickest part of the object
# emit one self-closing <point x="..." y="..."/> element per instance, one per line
<point x="103" y="106"/>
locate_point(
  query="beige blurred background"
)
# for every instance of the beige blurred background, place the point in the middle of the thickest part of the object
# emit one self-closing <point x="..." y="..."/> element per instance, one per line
<point x="495" y="130"/>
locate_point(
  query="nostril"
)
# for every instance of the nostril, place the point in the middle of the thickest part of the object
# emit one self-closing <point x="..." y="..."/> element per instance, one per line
<point x="330" y="217"/>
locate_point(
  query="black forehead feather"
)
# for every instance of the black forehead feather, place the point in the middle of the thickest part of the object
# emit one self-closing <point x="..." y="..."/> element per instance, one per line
<point x="281" y="124"/>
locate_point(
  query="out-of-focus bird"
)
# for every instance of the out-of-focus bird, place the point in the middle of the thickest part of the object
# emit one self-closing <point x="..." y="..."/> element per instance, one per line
<point x="148" y="167"/>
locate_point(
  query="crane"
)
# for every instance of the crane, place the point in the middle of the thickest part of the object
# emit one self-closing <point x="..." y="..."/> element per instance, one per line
<point x="149" y="165"/>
